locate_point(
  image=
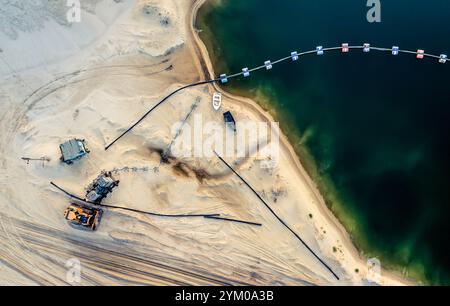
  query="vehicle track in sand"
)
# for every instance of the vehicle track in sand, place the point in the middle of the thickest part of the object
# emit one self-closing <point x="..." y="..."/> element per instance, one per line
<point x="17" y="252"/>
<point x="119" y="266"/>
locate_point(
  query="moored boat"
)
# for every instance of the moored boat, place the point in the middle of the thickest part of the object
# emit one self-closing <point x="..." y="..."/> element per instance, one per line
<point x="217" y="100"/>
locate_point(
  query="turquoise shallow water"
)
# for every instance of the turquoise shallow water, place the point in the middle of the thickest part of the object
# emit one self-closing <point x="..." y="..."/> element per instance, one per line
<point x="376" y="126"/>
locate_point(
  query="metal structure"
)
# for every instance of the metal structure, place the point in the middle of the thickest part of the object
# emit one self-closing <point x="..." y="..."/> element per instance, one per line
<point x="101" y="187"/>
<point x="73" y="150"/>
<point x="83" y="216"/>
<point x="42" y="159"/>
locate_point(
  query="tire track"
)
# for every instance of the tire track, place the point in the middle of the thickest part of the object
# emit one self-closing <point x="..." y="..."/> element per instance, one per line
<point x="120" y="265"/>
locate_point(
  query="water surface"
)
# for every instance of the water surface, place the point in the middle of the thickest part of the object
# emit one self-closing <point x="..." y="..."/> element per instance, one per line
<point x="372" y="129"/>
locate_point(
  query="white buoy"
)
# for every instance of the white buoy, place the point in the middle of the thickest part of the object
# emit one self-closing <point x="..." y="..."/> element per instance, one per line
<point x="268" y="65"/>
<point x="395" y="50"/>
<point x="246" y="73"/>
<point x="294" y="55"/>
<point x="366" y="47"/>
<point x="319" y="50"/>
<point x="443" y="58"/>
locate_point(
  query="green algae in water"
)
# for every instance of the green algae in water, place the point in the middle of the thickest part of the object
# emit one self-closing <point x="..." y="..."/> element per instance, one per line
<point x="373" y="130"/>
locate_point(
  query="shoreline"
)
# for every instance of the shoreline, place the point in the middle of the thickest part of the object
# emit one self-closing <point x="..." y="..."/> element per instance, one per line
<point x="137" y="62"/>
<point x="205" y="68"/>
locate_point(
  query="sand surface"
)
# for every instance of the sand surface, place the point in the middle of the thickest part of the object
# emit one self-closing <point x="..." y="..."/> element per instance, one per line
<point x="92" y="80"/>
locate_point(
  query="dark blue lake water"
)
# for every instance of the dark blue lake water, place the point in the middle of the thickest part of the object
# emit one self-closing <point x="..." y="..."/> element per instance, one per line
<point x="373" y="129"/>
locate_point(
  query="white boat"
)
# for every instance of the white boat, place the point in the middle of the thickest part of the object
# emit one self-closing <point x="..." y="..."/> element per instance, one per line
<point x="217" y="100"/>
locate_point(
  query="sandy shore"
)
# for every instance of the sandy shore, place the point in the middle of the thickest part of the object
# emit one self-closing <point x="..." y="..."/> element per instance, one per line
<point x="95" y="89"/>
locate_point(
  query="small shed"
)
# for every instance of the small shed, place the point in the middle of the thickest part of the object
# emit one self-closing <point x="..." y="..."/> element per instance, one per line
<point x="72" y="150"/>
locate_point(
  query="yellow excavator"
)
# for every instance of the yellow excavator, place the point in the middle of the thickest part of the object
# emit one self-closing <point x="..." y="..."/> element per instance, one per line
<point x="83" y="216"/>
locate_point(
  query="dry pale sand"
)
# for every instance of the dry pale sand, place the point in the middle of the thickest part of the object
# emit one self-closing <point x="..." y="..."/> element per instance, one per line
<point x="95" y="89"/>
